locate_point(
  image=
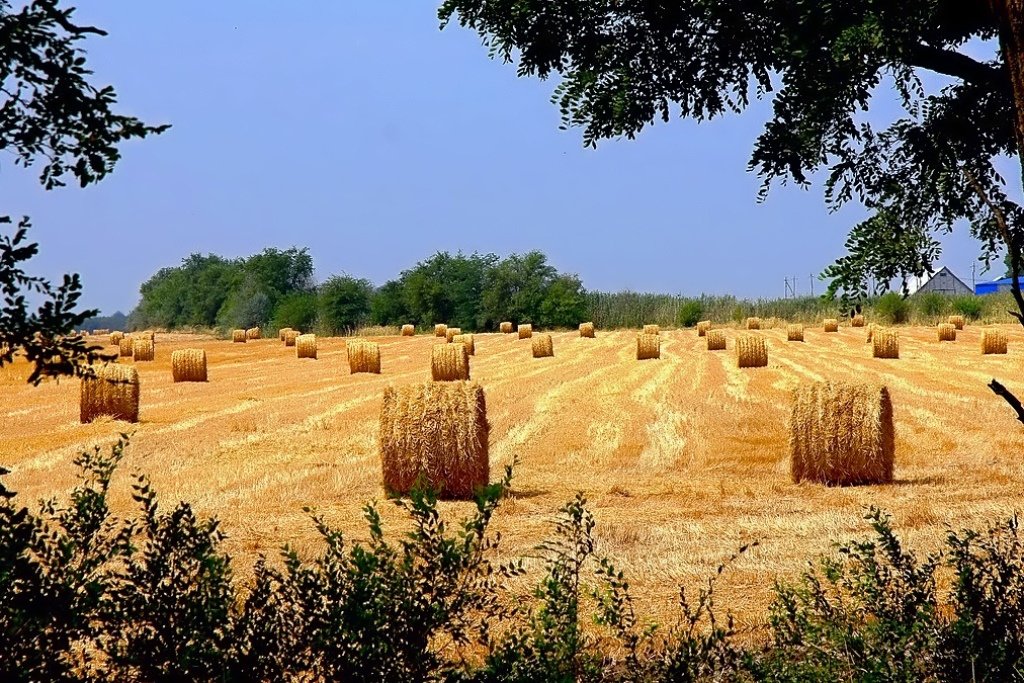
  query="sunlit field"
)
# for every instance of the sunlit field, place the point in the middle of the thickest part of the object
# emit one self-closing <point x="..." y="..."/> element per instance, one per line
<point x="683" y="459"/>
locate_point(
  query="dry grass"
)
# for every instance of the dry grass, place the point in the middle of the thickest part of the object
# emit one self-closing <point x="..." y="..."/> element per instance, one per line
<point x="143" y="348"/>
<point x="648" y="346"/>
<point x="305" y="346"/>
<point x="702" y="327"/>
<point x="753" y="323"/>
<point x="238" y="336"/>
<point x="993" y="341"/>
<point x="543" y="347"/>
<point x="751" y="351"/>
<point x="112" y="391"/>
<point x="652" y="329"/>
<point x="795" y="333"/>
<point x="525" y="331"/>
<point x="188" y="365"/>
<point x="587" y="330"/>
<point x="946" y="332"/>
<point x="956" y="321"/>
<point x="506" y="328"/>
<point x="715" y="340"/>
<point x="290" y="337"/>
<point x="408" y="330"/>
<point x="831" y="325"/>
<point x="363" y="356"/>
<point x="440" y="330"/>
<point x="857" y="321"/>
<point x="467" y="341"/>
<point x="885" y="343"/>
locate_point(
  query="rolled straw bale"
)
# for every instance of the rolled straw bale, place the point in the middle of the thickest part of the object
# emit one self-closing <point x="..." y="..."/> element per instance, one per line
<point x="956" y="321"/>
<point x="435" y="435"/>
<point x="525" y="331"/>
<point x="831" y="325"/>
<point x="238" y="336"/>
<point x="188" y="365"/>
<point x="506" y="327"/>
<point x="452" y="332"/>
<point x="587" y="330"/>
<point x="149" y="333"/>
<point x="111" y="390"/>
<point x="716" y="340"/>
<point x="143" y="348"/>
<point x="885" y="343"/>
<point x="795" y="332"/>
<point x="946" y="332"/>
<point x="871" y="332"/>
<point x="290" y="336"/>
<point x="751" y="351"/>
<point x="101" y="331"/>
<point x="842" y="434"/>
<point x="652" y="329"/>
<point x="543" y="347"/>
<point x="702" y="327"/>
<point x="449" y="362"/>
<point x="115" y="338"/>
<point x="648" y="346"/>
<point x="753" y="323"/>
<point x="254" y="333"/>
<point x="305" y="346"/>
<point x="363" y="356"/>
<point x="440" y="330"/>
<point x="125" y="347"/>
<point x="408" y="330"/>
<point x="993" y="341"/>
<point x="467" y="341"/>
<point x="282" y="332"/>
<point x="857" y="321"/>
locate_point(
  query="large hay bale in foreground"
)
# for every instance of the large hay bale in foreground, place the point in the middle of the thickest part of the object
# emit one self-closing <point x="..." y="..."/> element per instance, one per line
<point x="753" y="323"/>
<point x="795" y="333"/>
<point x="467" y="341"/>
<point x="956" y="321"/>
<point x="449" y="362"/>
<point x="143" y="348"/>
<point x="857" y="321"/>
<point x="587" y="330"/>
<point x="451" y="333"/>
<point x="543" y="347"/>
<point x="188" y="365"/>
<point x="525" y="331"/>
<point x="885" y="343"/>
<point x="751" y="351"/>
<point x="831" y="325"/>
<point x="363" y="356"/>
<point x="238" y="336"/>
<point x="290" y="336"/>
<point x="440" y="330"/>
<point x="946" y="332"/>
<point x="282" y="332"/>
<point x="648" y="346"/>
<point x="652" y="329"/>
<point x="125" y="347"/>
<point x="506" y="327"/>
<point x="115" y="338"/>
<point x="254" y="333"/>
<point x="842" y="434"/>
<point x="702" y="327"/>
<point x="305" y="346"/>
<point x="435" y="435"/>
<point x="993" y="341"/>
<point x="408" y="330"/>
<point x="111" y="390"/>
<point x="715" y="340"/>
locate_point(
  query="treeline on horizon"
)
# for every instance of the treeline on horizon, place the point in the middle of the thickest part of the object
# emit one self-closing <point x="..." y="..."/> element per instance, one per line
<point x="275" y="288"/>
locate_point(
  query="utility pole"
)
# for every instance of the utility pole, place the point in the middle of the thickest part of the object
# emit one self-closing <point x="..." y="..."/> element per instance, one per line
<point x="811" y="278"/>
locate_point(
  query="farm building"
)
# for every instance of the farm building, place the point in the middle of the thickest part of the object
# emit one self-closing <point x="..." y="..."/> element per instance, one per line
<point x="942" y="282"/>
<point x="1002" y="285"/>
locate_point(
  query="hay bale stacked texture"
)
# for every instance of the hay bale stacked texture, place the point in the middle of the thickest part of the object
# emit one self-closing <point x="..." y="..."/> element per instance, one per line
<point x="435" y="435"/>
<point x="188" y="365"/>
<point x="751" y="351"/>
<point x="587" y="330"/>
<point x="408" y="330"/>
<point x="652" y="329"/>
<point x="702" y="327"/>
<point x="506" y="327"/>
<point x="449" y="363"/>
<point x="467" y="341"/>
<point x="993" y="342"/>
<point x="115" y="338"/>
<point x="290" y="337"/>
<point x="451" y="333"/>
<point x="753" y="323"/>
<point x="543" y="346"/>
<point x="831" y="325"/>
<point x="956" y="321"/>
<point x="363" y="356"/>
<point x="946" y="332"/>
<point x="143" y="348"/>
<point x="125" y="347"/>
<point x="885" y="343"/>
<point x="795" y="333"/>
<point x="281" y="333"/>
<point x="857" y="321"/>
<point x="111" y="390"/>
<point x="305" y="346"/>
<point x="238" y="336"/>
<point x="715" y="340"/>
<point x="525" y="331"/>
<point x="648" y="346"/>
<point x="440" y="330"/>
<point x="254" y="333"/>
<point x="842" y="434"/>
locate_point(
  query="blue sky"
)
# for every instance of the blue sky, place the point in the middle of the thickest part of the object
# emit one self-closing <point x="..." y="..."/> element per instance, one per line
<point x="363" y="132"/>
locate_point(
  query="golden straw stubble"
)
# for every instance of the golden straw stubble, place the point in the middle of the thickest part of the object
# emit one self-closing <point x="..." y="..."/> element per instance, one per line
<point x="525" y="331"/>
<point x="188" y="365"/>
<point x="751" y="351"/>
<point x="831" y="325"/>
<point x="842" y="434"/>
<point x="449" y="362"/>
<point x="702" y="328"/>
<point x="238" y="336"/>
<point x="715" y="340"/>
<point x="947" y="332"/>
<point x="795" y="332"/>
<point x="111" y="390"/>
<point x="435" y="435"/>
<point x="543" y="346"/>
<point x="993" y="342"/>
<point x="652" y="329"/>
<point x="587" y="330"/>
<point x="363" y="356"/>
<point x="467" y="341"/>
<point x="506" y="327"/>
<point x="753" y="323"/>
<point x="408" y="330"/>
<point x="648" y="346"/>
<point x="143" y="348"/>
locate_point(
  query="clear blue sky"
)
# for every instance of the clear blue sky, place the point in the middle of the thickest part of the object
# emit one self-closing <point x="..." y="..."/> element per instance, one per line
<point x="363" y="132"/>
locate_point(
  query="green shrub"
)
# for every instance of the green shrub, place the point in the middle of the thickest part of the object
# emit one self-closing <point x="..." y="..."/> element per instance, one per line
<point x="969" y="306"/>
<point x="892" y="308"/>
<point x="690" y="313"/>
<point x="931" y="304"/>
<point x="297" y="311"/>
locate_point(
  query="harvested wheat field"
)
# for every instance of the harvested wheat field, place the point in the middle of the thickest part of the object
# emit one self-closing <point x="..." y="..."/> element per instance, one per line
<point x="683" y="460"/>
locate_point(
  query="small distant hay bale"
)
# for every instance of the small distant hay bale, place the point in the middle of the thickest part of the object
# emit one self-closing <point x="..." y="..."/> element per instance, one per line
<point x="449" y="362"/>
<point x="587" y="330"/>
<point x="101" y="331"/>
<point x="452" y="332"/>
<point x="290" y="337"/>
<point x="188" y="365"/>
<point x="857" y="321"/>
<point x="506" y="327"/>
<point x="751" y="351"/>
<point x="715" y="340"/>
<point x="149" y="333"/>
<point x="885" y="343"/>
<point x="143" y="348"/>
<point x="467" y="341"/>
<point x="125" y="347"/>
<point x="525" y="331"/>
<point x="947" y="332"/>
<point x="993" y="342"/>
<point x="115" y="338"/>
<point x="702" y="327"/>
<point x="795" y="333"/>
<point x="238" y="336"/>
<point x="112" y="390"/>
<point x="254" y="333"/>
<point x="440" y="330"/>
<point x="831" y="325"/>
<point x="956" y="321"/>
<point x="648" y="346"/>
<point x="282" y="332"/>
<point x="305" y="346"/>
<point x="753" y="323"/>
<point x="543" y="347"/>
<point x="408" y="330"/>
<point x="363" y="356"/>
<point x="435" y="435"/>
<point x="652" y="329"/>
<point x="842" y="434"/>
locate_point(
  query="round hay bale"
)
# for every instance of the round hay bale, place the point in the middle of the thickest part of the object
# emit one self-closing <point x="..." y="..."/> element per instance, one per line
<point x="143" y="348"/>
<point x="115" y="338"/>
<point x="506" y="327"/>
<point x="702" y="327"/>
<point x="946" y="332"/>
<point x="188" y="365"/>
<point x="842" y="434"/>
<point x="885" y="343"/>
<point x="125" y="347"/>
<point x="451" y="333"/>
<point x="543" y="347"/>
<point x="753" y="323"/>
<point x="652" y="329"/>
<point x="648" y="346"/>
<point x="857" y="321"/>
<point x="112" y="390"/>
<point x="363" y="356"/>
<point x="956" y="321"/>
<point x="751" y="351"/>
<point x="587" y="330"/>
<point x="238" y="336"/>
<point x="440" y="330"/>
<point x="449" y="362"/>
<point x="993" y="341"/>
<point x="408" y="330"/>
<point x="282" y="332"/>
<point x="254" y="333"/>
<point x="715" y="340"/>
<point x="795" y="333"/>
<point x="831" y="325"/>
<point x="305" y="346"/>
<point x="101" y="331"/>
<point x="290" y="336"/>
<point x="525" y="331"/>
<point x="435" y="435"/>
<point x="467" y="341"/>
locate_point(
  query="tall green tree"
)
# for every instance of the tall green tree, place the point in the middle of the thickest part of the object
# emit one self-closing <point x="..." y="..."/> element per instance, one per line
<point x="344" y="303"/>
<point x="516" y="288"/>
<point x="447" y="288"/>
